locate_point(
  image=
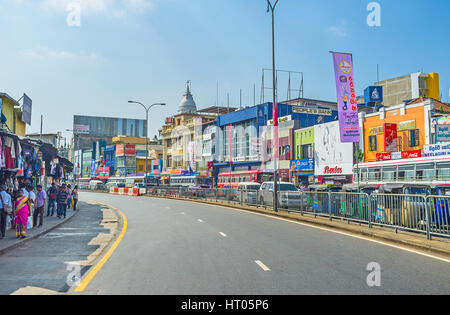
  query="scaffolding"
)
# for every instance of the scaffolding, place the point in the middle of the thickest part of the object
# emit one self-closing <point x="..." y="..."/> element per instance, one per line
<point x="292" y="78"/>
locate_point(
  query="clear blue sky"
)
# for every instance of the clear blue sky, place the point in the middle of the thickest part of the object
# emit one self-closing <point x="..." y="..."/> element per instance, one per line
<point x="145" y="50"/>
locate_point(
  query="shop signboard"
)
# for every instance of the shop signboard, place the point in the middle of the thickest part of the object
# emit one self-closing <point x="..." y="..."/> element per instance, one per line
<point x="396" y="155"/>
<point x="407" y="125"/>
<point x="27" y="108"/>
<point x="442" y="133"/>
<point x="303" y="164"/>
<point x="346" y="97"/>
<point x="331" y="155"/>
<point x="126" y="149"/>
<point x="385" y="156"/>
<point x="312" y="111"/>
<point x="390" y="137"/>
<point x="411" y="154"/>
<point x="437" y="150"/>
<point x="81" y="129"/>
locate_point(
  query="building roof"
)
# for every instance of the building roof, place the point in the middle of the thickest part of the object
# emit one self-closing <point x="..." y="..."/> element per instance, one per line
<point x="438" y="105"/>
<point x="187" y="104"/>
<point x="218" y="110"/>
<point x="9" y="98"/>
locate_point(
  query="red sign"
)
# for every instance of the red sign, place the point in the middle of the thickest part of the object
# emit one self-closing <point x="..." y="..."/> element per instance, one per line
<point x="411" y="154"/>
<point x="390" y="137"/>
<point x="125" y="149"/>
<point x="336" y="170"/>
<point x="383" y="156"/>
<point x="210" y="165"/>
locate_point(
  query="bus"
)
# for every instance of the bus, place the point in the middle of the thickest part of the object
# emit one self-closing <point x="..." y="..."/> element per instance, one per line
<point x="116" y="181"/>
<point x="195" y="181"/>
<point x="426" y="170"/>
<point x="138" y="181"/>
<point x="232" y="180"/>
<point x="83" y="183"/>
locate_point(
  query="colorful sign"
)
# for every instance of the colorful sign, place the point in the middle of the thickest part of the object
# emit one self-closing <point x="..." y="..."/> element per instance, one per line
<point x="390" y="137"/>
<point x="376" y="130"/>
<point x="411" y="154"/>
<point x="81" y="129"/>
<point x="407" y="125"/>
<point x="125" y="149"/>
<point x="313" y="111"/>
<point x="442" y="133"/>
<point x="437" y="150"/>
<point x="385" y="156"/>
<point x="304" y="164"/>
<point x="346" y="96"/>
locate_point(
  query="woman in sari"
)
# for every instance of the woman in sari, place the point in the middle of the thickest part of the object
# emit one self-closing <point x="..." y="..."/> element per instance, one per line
<point x="22" y="213"/>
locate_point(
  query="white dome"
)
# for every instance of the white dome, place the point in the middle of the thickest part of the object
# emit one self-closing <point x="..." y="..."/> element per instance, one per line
<point x="187" y="105"/>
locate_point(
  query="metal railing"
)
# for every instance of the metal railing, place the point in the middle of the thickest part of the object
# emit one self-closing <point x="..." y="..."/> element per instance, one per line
<point x="429" y="215"/>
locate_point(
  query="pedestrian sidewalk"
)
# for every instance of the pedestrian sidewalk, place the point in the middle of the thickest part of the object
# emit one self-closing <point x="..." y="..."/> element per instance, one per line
<point x="10" y="241"/>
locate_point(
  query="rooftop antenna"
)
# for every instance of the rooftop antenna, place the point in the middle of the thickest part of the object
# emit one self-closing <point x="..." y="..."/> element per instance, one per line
<point x="240" y="98"/>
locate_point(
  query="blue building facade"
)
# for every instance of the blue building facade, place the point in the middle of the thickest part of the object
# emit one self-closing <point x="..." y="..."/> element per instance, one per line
<point x="248" y="127"/>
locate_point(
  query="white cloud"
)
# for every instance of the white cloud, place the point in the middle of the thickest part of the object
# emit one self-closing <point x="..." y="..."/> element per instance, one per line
<point x="340" y="30"/>
<point x="47" y="53"/>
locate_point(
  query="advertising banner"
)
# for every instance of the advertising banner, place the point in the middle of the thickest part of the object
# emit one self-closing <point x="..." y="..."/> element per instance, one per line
<point x="390" y="137"/>
<point x="437" y="150"/>
<point x="442" y="133"/>
<point x="304" y="164"/>
<point x="411" y="154"/>
<point x="27" y="107"/>
<point x="81" y="129"/>
<point x="346" y="97"/>
<point x="331" y="155"/>
<point x="383" y="156"/>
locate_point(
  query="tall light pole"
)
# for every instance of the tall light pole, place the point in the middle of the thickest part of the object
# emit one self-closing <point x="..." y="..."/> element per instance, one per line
<point x="146" y="138"/>
<point x="271" y="8"/>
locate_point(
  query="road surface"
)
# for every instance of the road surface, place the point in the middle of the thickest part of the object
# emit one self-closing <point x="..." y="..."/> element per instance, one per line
<point x="186" y="248"/>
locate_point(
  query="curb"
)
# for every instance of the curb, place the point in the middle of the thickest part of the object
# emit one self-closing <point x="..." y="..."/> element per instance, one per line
<point x="23" y="241"/>
<point x="429" y="248"/>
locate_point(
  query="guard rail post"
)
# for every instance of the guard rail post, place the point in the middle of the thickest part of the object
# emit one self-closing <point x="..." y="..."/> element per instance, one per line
<point x="427" y="218"/>
<point x="329" y="205"/>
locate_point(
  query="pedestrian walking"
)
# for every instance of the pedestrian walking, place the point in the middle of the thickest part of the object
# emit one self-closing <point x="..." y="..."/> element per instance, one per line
<point x="75" y="197"/>
<point x="5" y="210"/>
<point x="52" y="193"/>
<point x="62" y="201"/>
<point x="41" y="197"/>
<point x="22" y="212"/>
<point x="31" y="197"/>
<point x="69" y="196"/>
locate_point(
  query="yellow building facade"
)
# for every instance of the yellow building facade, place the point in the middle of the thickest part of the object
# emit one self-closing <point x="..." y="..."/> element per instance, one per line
<point x="11" y="110"/>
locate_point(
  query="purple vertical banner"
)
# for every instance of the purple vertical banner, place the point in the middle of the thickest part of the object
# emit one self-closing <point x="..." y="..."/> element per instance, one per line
<point x="346" y="97"/>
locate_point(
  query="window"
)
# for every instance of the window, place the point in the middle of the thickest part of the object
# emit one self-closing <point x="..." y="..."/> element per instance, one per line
<point x="414" y="138"/>
<point x="373" y="143"/>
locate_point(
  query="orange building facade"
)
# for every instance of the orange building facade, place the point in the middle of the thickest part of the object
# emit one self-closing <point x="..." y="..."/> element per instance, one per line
<point x="397" y="132"/>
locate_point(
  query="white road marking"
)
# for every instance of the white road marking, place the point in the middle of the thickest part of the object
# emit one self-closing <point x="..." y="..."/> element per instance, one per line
<point x="182" y="213"/>
<point x="199" y="220"/>
<point x="333" y="231"/>
<point x="263" y="267"/>
<point x="223" y="234"/>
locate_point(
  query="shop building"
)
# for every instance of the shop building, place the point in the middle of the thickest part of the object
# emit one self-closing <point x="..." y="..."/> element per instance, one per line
<point x="11" y="113"/>
<point x="302" y="165"/>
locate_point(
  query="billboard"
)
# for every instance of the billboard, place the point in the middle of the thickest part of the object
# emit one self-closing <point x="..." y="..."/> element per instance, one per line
<point x="125" y="149"/>
<point x="346" y="97"/>
<point x="331" y="155"/>
<point x="372" y="95"/>
<point x="81" y="129"/>
<point x="26" y="112"/>
<point x="442" y="133"/>
<point x="390" y="137"/>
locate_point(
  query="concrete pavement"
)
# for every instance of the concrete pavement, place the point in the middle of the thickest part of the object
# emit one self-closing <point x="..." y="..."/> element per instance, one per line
<point x="177" y="247"/>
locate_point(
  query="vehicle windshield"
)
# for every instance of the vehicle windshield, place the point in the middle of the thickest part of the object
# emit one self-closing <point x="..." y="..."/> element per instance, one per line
<point x="417" y="191"/>
<point x="443" y="191"/>
<point x="252" y="187"/>
<point x="287" y="187"/>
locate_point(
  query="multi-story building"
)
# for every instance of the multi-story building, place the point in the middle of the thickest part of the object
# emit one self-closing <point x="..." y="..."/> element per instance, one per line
<point x="89" y="129"/>
<point x="182" y="134"/>
<point x="303" y="163"/>
<point x="401" y="131"/>
<point x="409" y="87"/>
<point x="11" y="113"/>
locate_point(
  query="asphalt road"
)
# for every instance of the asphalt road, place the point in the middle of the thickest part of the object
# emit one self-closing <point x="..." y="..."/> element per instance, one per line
<point x="43" y="262"/>
<point x="184" y="248"/>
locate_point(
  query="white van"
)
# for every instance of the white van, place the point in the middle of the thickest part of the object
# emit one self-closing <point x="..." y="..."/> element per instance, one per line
<point x="248" y="193"/>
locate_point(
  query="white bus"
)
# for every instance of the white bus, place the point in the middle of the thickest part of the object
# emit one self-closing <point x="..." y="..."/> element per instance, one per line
<point x="426" y="170"/>
<point x="190" y="181"/>
<point x="138" y="181"/>
<point x="116" y="182"/>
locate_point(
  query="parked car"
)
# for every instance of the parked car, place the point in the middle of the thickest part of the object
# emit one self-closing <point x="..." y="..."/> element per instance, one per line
<point x="289" y="196"/>
<point x="248" y="192"/>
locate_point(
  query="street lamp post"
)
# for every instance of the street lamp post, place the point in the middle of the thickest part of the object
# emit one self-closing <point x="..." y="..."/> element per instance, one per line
<point x="271" y="8"/>
<point x="146" y="138"/>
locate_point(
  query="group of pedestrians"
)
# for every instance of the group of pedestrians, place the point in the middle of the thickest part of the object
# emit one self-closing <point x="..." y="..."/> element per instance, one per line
<point x="23" y="208"/>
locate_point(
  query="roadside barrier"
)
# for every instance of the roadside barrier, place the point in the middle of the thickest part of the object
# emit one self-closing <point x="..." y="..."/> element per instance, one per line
<point x="428" y="215"/>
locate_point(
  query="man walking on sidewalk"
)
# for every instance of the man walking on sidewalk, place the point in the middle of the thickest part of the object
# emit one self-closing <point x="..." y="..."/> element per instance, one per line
<point x="52" y="193"/>
<point x="41" y="196"/>
<point x="5" y="209"/>
<point x="62" y="201"/>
